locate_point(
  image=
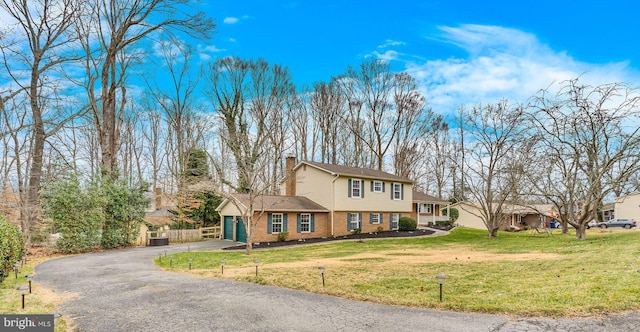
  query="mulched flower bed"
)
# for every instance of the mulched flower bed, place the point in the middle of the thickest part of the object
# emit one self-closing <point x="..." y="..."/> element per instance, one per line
<point x="376" y="235"/>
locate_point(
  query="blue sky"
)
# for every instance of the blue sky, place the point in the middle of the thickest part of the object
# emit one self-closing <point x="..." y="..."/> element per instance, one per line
<point x="462" y="52"/>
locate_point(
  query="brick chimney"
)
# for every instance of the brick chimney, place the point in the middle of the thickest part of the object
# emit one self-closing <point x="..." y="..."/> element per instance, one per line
<point x="290" y="180"/>
<point x="158" y="194"/>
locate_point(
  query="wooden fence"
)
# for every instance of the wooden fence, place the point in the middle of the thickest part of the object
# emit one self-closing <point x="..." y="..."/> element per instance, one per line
<point x="185" y="235"/>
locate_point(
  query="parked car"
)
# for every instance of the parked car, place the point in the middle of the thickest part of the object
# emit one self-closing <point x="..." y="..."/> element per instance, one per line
<point x="617" y="222"/>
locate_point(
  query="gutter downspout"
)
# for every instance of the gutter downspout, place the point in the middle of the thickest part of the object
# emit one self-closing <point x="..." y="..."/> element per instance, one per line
<point x="333" y="200"/>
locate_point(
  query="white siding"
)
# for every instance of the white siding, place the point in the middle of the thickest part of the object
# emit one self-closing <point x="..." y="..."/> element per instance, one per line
<point x="466" y="218"/>
<point x="372" y="201"/>
<point x="628" y="207"/>
<point x="324" y="189"/>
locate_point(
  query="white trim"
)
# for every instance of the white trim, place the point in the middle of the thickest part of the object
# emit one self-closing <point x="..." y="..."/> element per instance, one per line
<point x="281" y="223"/>
<point x="399" y="192"/>
<point x="308" y="222"/>
<point x="360" y="183"/>
<point x="374" y="186"/>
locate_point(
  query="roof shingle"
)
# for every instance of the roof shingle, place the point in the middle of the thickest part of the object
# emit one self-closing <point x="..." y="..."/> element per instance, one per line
<point x="355" y="171"/>
<point x="281" y="203"/>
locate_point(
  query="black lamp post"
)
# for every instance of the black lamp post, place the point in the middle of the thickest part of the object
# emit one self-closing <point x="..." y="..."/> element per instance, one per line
<point x="29" y="277"/>
<point x="15" y="269"/>
<point x="441" y="278"/>
<point x="322" y="268"/>
<point x="190" y="261"/>
<point x="171" y="261"/>
<point x="256" y="261"/>
<point x="23" y="290"/>
<point x="222" y="266"/>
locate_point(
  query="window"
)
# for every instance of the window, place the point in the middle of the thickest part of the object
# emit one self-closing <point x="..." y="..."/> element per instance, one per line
<point x="396" y="193"/>
<point x="356" y="188"/>
<point x="426" y="208"/>
<point x="377" y="187"/>
<point x="354" y="221"/>
<point x="305" y="223"/>
<point x="276" y="223"/>
<point x="376" y="218"/>
<point x="395" y="217"/>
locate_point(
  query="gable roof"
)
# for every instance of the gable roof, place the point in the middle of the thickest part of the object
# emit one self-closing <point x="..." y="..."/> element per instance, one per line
<point x="367" y="173"/>
<point x="422" y="197"/>
<point x="622" y="198"/>
<point x="277" y="203"/>
<point x="159" y="217"/>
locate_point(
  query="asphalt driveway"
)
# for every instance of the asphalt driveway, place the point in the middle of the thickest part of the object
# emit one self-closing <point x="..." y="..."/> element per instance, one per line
<point x="122" y="290"/>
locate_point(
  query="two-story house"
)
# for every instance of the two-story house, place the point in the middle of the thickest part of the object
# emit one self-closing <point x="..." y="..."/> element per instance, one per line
<point x="322" y="200"/>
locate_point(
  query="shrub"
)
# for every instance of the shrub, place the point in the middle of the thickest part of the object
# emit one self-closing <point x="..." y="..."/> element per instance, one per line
<point x="380" y="229"/>
<point x="444" y="222"/>
<point x="453" y="214"/>
<point x="430" y="223"/>
<point x="106" y="214"/>
<point x="11" y="247"/>
<point x="77" y="213"/>
<point x="356" y="231"/>
<point x="124" y="210"/>
<point x="407" y="224"/>
<point x="282" y="236"/>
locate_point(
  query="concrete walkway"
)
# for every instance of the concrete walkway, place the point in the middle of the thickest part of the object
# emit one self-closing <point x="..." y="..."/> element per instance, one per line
<point x="122" y="290"/>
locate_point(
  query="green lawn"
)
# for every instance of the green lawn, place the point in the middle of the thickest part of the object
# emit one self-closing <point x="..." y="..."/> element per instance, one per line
<point x="40" y="301"/>
<point x="514" y="274"/>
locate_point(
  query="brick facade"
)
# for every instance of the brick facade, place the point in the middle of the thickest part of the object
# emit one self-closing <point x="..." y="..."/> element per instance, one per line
<point x="322" y="228"/>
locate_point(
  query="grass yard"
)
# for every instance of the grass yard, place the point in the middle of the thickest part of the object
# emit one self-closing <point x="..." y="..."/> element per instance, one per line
<point x="40" y="301"/>
<point x="515" y="274"/>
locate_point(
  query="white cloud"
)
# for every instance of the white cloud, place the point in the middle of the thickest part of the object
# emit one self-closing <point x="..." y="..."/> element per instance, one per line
<point x="501" y="63"/>
<point x="230" y="20"/>
<point x="205" y="51"/>
<point x="390" y="42"/>
<point x="386" y="56"/>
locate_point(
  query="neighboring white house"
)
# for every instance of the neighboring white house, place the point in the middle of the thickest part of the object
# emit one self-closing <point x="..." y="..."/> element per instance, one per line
<point x="627" y="206"/>
<point x="515" y="216"/>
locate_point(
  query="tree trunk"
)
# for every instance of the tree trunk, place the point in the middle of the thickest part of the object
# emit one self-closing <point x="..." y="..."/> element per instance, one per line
<point x="248" y="228"/>
<point x="35" y="173"/>
<point x="581" y="232"/>
<point x="493" y="232"/>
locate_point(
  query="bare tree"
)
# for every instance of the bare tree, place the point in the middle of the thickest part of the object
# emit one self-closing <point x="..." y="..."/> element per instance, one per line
<point x="299" y="110"/>
<point x="381" y="105"/>
<point x="496" y="131"/>
<point x="119" y="26"/>
<point x="45" y="26"/>
<point x="154" y="137"/>
<point x="438" y="149"/>
<point x="589" y="142"/>
<point x="327" y="105"/>
<point x="180" y="107"/>
<point x="244" y="93"/>
<point x="369" y="91"/>
<point x="411" y="125"/>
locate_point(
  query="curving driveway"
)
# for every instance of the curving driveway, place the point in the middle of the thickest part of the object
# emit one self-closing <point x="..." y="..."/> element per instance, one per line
<point x="122" y="290"/>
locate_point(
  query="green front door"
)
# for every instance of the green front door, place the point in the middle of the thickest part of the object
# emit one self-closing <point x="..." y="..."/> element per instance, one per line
<point x="241" y="231"/>
<point x="228" y="228"/>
